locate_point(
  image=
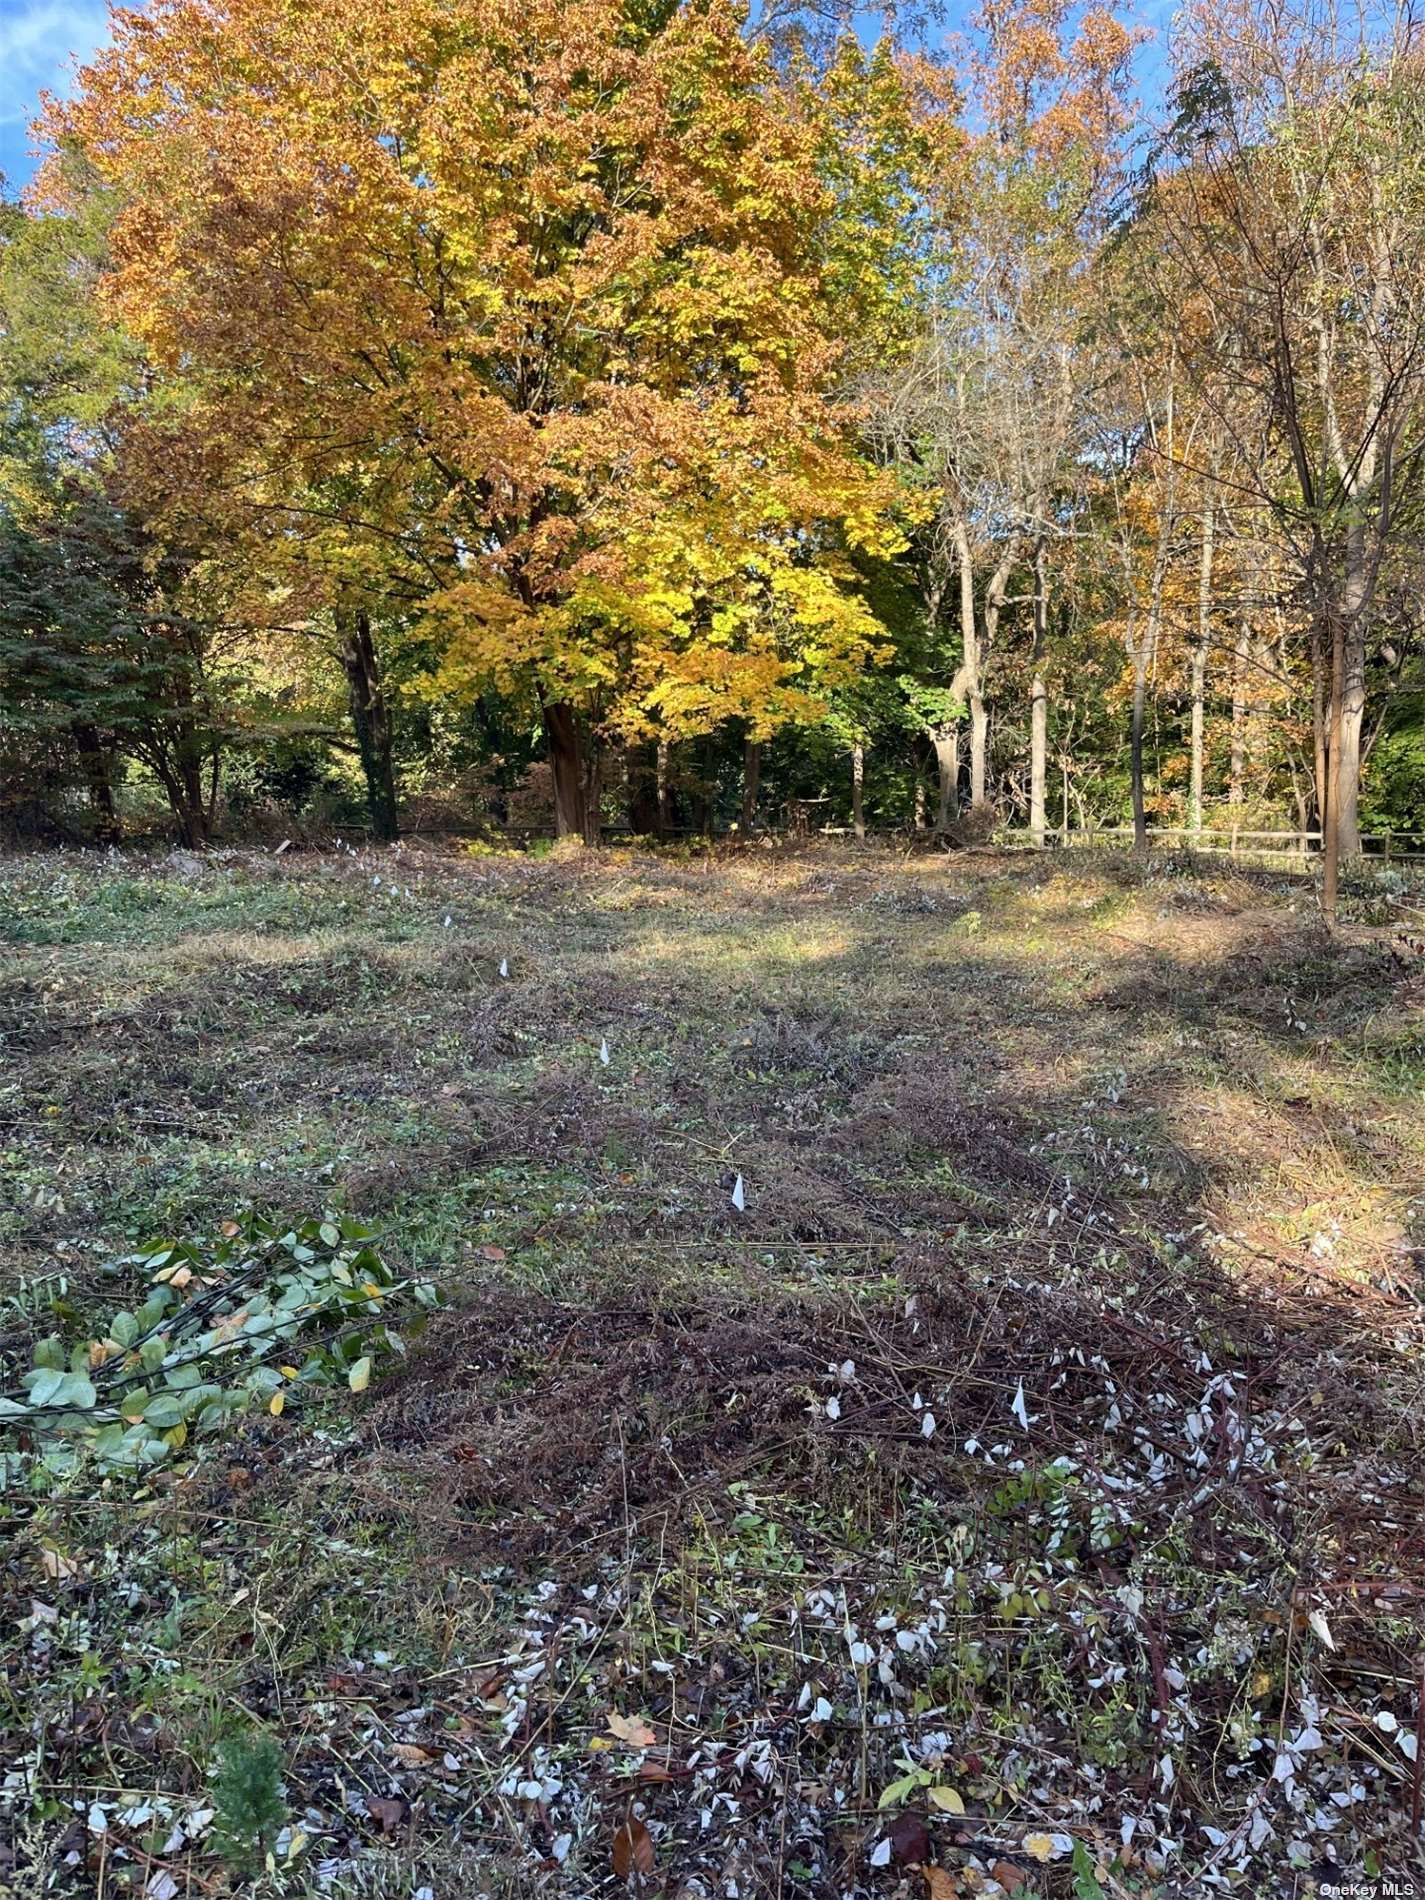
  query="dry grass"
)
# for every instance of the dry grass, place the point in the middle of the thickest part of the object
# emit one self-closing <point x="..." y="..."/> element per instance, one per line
<point x="1126" y="1146"/>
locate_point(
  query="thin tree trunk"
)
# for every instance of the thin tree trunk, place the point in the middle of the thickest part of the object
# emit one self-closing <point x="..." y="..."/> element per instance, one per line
<point x="947" y="763"/>
<point x="1330" y="823"/>
<point x="979" y="711"/>
<point x="1140" y="702"/>
<point x="371" y="718"/>
<point x="1199" y="669"/>
<point x="1145" y="656"/>
<point x="979" y="749"/>
<point x="751" y="781"/>
<point x="1320" y="690"/>
<point x="967" y="680"/>
<point x="593" y="788"/>
<point x="858" y="787"/>
<point x="1303" y="815"/>
<point x="665" y="817"/>
<point x="1145" y="649"/>
<point x="918" y="812"/>
<point x="1353" y="698"/>
<point x="182" y="779"/>
<point x="1039" y="699"/>
<point x="1241" y="659"/>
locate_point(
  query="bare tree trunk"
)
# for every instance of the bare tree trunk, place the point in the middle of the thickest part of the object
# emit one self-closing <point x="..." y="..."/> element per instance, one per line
<point x="1320" y="686"/>
<point x="1241" y="659"/>
<point x="561" y="731"/>
<point x="979" y="748"/>
<point x="1353" y="698"/>
<point x="593" y="787"/>
<point x="1140" y="703"/>
<point x="968" y="680"/>
<point x="371" y="718"/>
<point x="947" y="763"/>
<point x="751" y="781"/>
<point x="665" y="823"/>
<point x="1330" y="822"/>
<point x="1303" y="815"/>
<point x="182" y="780"/>
<point x="858" y="787"/>
<point x="1039" y="699"/>
<point x="1145" y="656"/>
<point x="979" y="711"/>
<point x="1199" y="669"/>
<point x="1144" y="648"/>
<point x="919" y="807"/>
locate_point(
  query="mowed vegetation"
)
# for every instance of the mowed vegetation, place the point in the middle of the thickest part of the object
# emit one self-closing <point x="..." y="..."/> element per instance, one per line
<point x="1019" y="1492"/>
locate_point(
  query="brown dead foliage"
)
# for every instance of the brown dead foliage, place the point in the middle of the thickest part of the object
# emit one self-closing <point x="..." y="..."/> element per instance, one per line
<point x="527" y="1428"/>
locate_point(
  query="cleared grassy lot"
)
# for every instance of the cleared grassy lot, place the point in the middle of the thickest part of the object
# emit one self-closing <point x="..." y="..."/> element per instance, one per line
<point x="1023" y="1484"/>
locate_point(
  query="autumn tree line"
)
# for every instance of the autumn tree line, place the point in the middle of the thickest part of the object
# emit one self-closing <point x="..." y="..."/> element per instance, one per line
<point x="684" y="416"/>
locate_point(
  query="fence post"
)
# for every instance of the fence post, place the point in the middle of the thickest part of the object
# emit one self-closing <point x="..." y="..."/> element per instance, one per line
<point x="1387" y="847"/>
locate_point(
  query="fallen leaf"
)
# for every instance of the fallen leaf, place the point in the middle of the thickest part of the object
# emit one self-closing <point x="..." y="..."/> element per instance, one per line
<point x="360" y="1375"/>
<point x="910" y="1839"/>
<point x="628" y="1728"/>
<point x="633" y="1849"/>
<point x="939" y="1885"/>
<point x="411" y="1755"/>
<point x="386" y="1811"/>
<point x="1010" y="1877"/>
<point x="491" y="1252"/>
<point x="57" y="1567"/>
<point x="947" y="1800"/>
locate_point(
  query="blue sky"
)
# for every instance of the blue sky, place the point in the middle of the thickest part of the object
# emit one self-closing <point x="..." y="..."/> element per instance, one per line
<point x="38" y="39"/>
<point x="41" y="39"/>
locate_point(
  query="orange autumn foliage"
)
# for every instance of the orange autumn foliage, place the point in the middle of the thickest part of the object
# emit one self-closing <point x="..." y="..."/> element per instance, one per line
<point x="509" y="313"/>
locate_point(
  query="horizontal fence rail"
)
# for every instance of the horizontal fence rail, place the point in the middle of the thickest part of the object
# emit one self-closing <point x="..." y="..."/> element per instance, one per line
<point x="1388" y="847"/>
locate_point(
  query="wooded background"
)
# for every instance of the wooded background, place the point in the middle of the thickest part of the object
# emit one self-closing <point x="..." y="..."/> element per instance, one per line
<point x="640" y="415"/>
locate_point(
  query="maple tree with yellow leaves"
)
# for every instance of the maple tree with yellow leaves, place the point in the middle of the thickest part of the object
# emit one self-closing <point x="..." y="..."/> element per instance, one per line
<point x="512" y="313"/>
